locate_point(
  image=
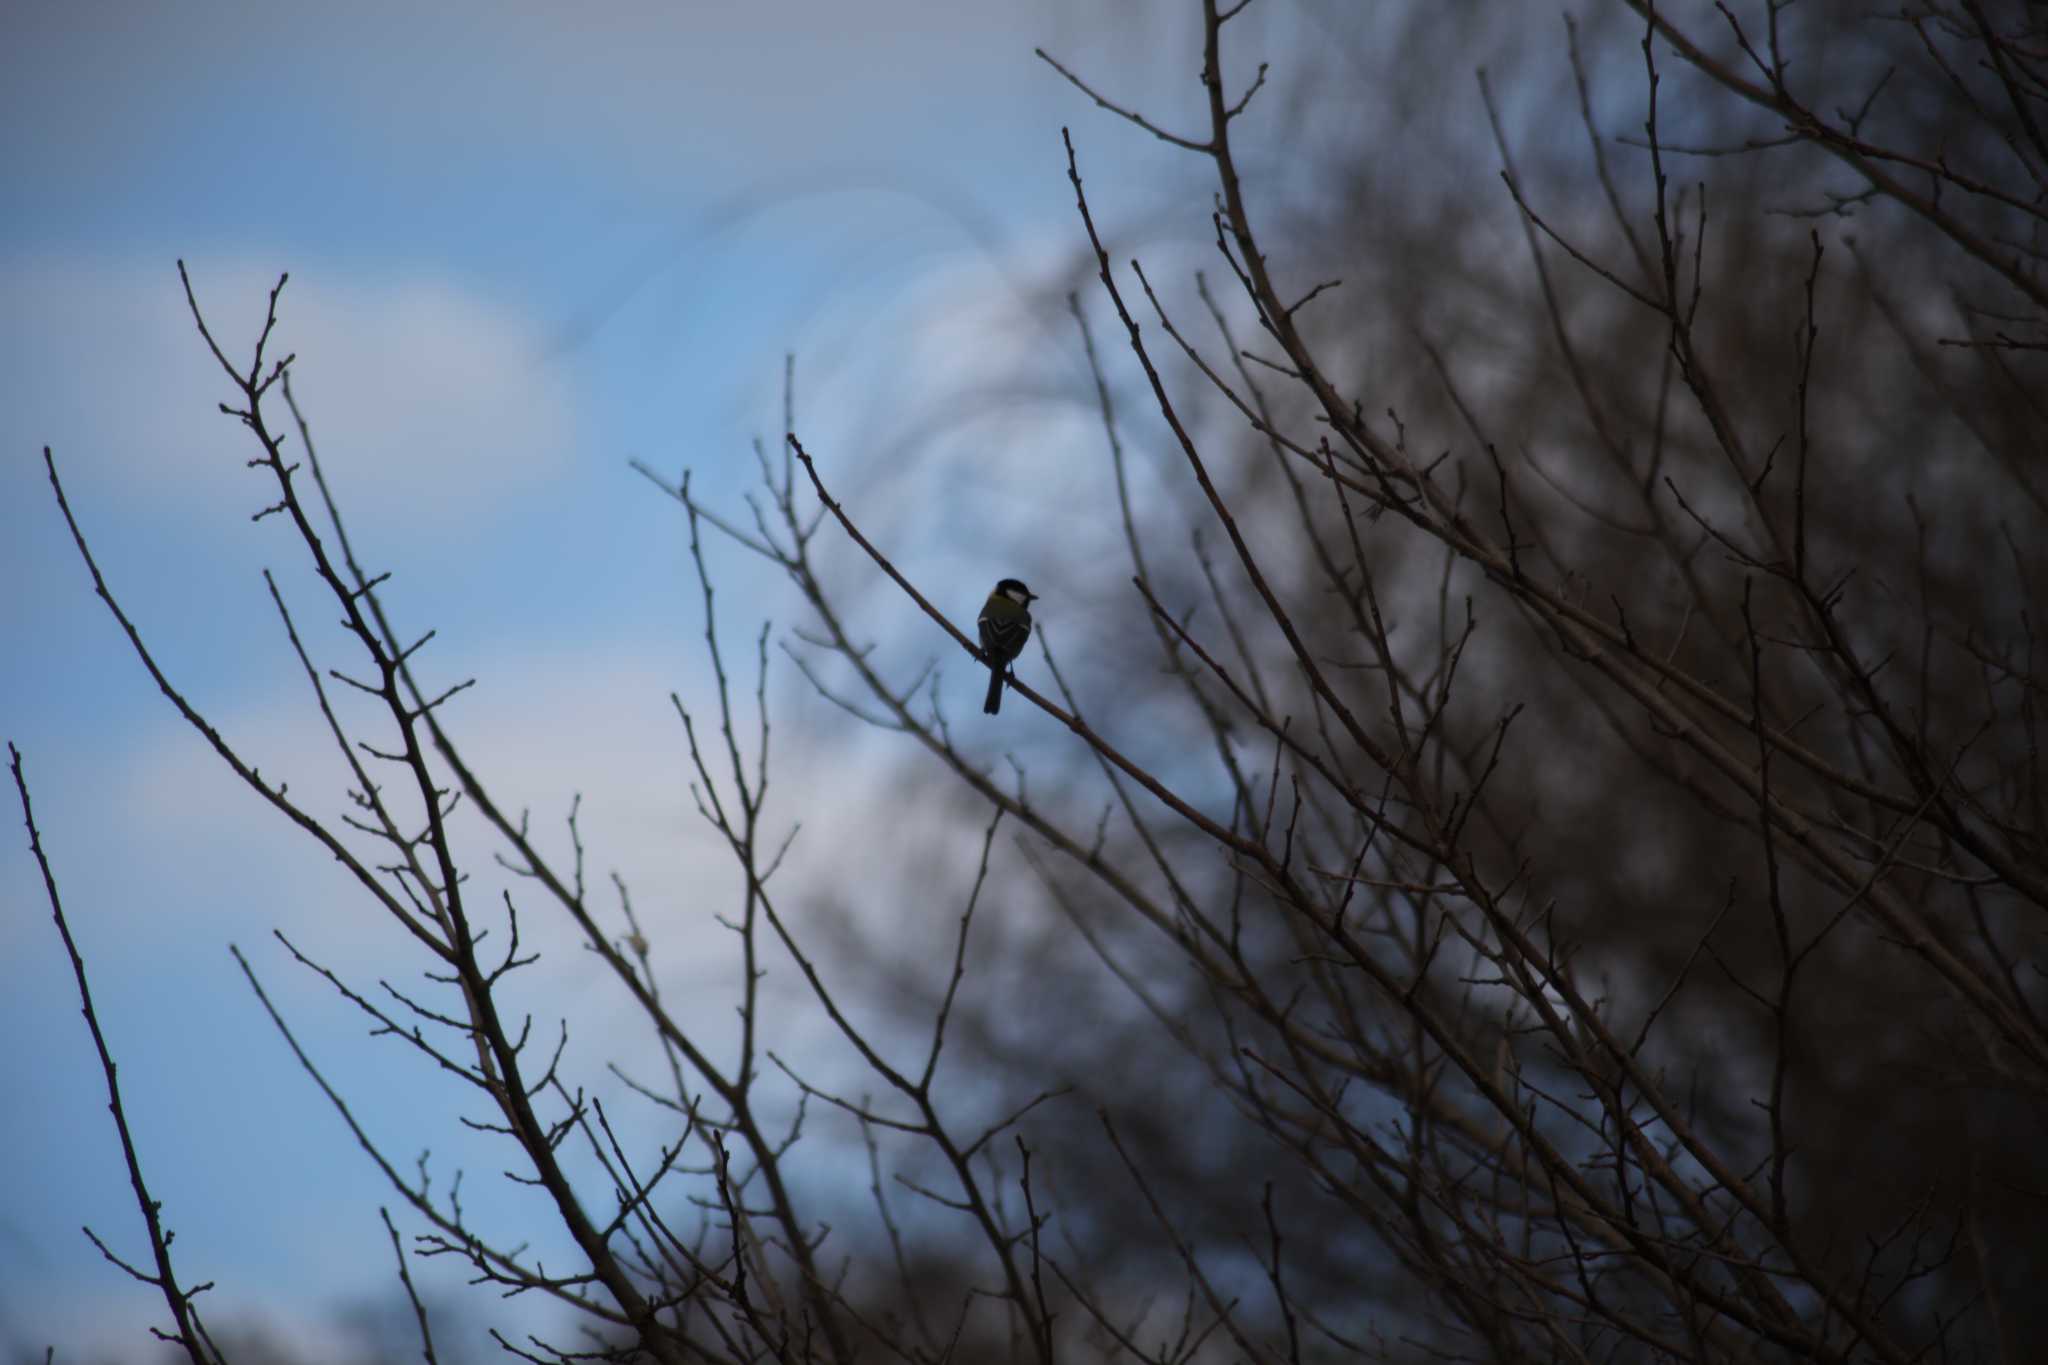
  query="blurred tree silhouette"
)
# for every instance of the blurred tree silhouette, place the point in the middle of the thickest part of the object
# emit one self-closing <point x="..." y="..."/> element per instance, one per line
<point x="1551" y="868"/>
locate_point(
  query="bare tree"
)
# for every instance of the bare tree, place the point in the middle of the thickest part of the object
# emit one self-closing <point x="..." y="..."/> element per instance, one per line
<point x="1563" y="876"/>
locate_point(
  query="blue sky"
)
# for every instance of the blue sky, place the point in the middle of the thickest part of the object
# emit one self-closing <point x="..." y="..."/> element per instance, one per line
<point x="527" y="243"/>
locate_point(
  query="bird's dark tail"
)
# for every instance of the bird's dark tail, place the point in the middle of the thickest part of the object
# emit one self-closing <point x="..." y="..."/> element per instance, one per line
<point x="995" y="693"/>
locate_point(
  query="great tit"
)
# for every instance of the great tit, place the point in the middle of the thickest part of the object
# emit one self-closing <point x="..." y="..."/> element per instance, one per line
<point x="1005" y="626"/>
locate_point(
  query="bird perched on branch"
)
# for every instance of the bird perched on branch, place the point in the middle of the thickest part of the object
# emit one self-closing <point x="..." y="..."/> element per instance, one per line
<point x="1005" y="626"/>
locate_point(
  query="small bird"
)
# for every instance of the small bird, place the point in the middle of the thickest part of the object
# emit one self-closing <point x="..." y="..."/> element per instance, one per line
<point x="1005" y="626"/>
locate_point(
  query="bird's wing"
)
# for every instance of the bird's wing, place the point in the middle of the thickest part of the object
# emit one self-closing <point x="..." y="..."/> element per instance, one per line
<point x="1005" y="633"/>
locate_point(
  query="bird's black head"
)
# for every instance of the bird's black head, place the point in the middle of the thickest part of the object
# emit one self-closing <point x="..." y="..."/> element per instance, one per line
<point x="1014" y="589"/>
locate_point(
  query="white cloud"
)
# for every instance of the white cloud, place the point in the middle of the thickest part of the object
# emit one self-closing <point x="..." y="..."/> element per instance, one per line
<point x="420" y="389"/>
<point x="538" y="729"/>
